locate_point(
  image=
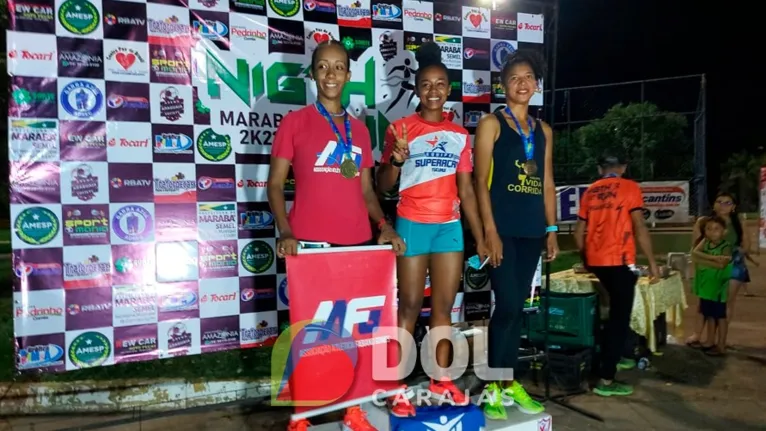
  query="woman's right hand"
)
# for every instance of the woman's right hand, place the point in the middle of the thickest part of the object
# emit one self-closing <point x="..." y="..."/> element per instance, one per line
<point x="401" y="150"/>
<point x="287" y="245"/>
<point x="494" y="244"/>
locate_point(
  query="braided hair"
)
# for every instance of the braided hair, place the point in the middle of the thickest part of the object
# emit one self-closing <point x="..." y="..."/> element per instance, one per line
<point x="428" y="55"/>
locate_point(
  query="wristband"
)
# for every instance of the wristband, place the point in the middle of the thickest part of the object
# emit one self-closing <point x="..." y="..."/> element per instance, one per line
<point x="382" y="222"/>
<point x="395" y="163"/>
<point x="550" y="229"/>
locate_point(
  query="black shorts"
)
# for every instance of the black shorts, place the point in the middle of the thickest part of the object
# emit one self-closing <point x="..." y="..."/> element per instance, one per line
<point x="712" y="309"/>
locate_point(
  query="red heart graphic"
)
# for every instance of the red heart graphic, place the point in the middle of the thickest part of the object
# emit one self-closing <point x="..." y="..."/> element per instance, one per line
<point x="475" y="19"/>
<point x="125" y="60"/>
<point x="321" y="37"/>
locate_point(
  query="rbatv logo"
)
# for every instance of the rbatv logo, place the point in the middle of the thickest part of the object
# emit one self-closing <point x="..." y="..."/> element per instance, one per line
<point x="327" y="339"/>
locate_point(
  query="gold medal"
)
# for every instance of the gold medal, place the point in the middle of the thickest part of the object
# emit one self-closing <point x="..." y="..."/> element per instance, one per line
<point x="348" y="169"/>
<point x="530" y="167"/>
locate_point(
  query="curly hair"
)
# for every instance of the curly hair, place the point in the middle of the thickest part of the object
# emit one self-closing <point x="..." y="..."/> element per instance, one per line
<point x="530" y="58"/>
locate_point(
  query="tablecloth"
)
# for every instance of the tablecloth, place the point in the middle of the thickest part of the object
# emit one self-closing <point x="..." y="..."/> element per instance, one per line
<point x="651" y="300"/>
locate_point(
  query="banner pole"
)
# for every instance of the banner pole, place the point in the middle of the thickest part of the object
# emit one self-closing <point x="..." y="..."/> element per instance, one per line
<point x="345" y="404"/>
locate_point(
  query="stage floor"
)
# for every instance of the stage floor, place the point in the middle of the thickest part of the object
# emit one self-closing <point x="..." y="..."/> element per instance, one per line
<point x="517" y="421"/>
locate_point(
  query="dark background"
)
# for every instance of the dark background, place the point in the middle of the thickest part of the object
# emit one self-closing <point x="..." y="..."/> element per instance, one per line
<point x="605" y="41"/>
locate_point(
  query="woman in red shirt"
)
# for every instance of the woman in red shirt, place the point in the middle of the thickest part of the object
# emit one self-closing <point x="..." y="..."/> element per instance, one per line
<point x="331" y="156"/>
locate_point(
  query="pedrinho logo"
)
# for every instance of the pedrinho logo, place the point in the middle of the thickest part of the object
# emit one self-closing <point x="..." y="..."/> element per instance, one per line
<point x="285" y="8"/>
<point x="36" y="226"/>
<point x="90" y="349"/>
<point x="298" y="345"/>
<point x="213" y="146"/>
<point x="79" y="17"/>
<point x="257" y="257"/>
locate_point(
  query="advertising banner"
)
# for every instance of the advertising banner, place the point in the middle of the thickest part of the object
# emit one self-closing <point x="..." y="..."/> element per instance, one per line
<point x="347" y="299"/>
<point x="139" y="136"/>
<point x="664" y="201"/>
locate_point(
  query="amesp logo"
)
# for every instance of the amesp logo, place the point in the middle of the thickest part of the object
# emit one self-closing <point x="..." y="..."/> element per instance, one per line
<point x="213" y="146"/>
<point x="257" y="257"/>
<point x="36" y="226"/>
<point x="90" y="349"/>
<point x="79" y="16"/>
<point x="285" y="8"/>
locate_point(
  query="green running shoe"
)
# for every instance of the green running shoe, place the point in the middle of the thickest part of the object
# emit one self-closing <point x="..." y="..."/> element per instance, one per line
<point x="523" y="401"/>
<point x="613" y="389"/>
<point x="493" y="403"/>
<point x="626" y="364"/>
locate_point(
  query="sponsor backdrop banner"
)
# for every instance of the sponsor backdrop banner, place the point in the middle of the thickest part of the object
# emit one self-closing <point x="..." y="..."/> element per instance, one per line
<point x="664" y="201"/>
<point x="139" y="142"/>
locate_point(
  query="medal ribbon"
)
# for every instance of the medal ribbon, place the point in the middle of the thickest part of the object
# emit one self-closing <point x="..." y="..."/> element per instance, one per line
<point x="346" y="124"/>
<point x="529" y="140"/>
<point x="611" y="175"/>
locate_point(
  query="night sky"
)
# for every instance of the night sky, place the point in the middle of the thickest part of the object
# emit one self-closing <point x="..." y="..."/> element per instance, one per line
<point x="603" y="41"/>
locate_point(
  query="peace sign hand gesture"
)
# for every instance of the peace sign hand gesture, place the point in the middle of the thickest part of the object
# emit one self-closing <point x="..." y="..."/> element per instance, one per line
<point x="401" y="146"/>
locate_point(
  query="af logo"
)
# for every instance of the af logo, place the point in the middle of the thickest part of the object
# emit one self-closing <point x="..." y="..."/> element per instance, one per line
<point x="341" y="318"/>
<point x="446" y="425"/>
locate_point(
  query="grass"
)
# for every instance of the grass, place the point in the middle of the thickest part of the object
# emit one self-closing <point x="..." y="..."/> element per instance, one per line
<point x="248" y="363"/>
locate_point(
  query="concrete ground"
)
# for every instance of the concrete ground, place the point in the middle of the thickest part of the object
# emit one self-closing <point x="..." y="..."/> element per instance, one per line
<point x="684" y="390"/>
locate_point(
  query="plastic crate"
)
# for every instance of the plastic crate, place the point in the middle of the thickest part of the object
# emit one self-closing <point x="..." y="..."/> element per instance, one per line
<point x="569" y="368"/>
<point x="572" y="322"/>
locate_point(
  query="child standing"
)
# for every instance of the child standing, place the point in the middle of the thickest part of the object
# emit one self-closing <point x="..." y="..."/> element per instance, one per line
<point x="712" y="257"/>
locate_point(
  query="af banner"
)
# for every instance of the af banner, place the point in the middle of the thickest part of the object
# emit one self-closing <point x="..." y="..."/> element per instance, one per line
<point x="341" y="302"/>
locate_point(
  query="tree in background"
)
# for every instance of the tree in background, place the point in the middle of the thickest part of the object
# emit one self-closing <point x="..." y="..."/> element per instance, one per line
<point x="654" y="141"/>
<point x="740" y="175"/>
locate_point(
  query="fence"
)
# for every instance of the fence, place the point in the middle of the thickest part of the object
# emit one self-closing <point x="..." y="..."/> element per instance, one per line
<point x="660" y="127"/>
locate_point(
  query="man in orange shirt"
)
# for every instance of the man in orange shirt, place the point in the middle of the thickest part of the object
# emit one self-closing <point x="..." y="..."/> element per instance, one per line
<point x="611" y="210"/>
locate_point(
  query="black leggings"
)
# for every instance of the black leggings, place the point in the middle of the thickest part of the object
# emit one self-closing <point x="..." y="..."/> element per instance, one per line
<point x="511" y="282"/>
<point x="620" y="283"/>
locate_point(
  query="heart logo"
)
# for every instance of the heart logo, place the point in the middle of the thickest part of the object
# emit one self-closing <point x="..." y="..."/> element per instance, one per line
<point x="321" y="37"/>
<point x="125" y="60"/>
<point x="475" y="19"/>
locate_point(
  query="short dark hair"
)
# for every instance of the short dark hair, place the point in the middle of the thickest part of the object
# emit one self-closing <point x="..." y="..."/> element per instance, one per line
<point x="715" y="219"/>
<point x="611" y="159"/>
<point x="530" y="58"/>
<point x="325" y="44"/>
<point x="429" y="55"/>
